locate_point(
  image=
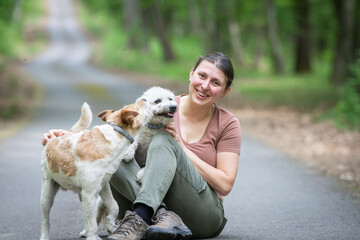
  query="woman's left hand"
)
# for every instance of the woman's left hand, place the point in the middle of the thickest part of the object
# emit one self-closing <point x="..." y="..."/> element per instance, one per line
<point x="171" y="129"/>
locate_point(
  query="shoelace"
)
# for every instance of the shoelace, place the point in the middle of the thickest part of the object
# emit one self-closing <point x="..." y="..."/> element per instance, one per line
<point x="127" y="224"/>
<point x="160" y="218"/>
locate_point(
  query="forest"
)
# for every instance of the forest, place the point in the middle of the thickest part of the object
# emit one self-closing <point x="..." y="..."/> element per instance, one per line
<point x="304" y="54"/>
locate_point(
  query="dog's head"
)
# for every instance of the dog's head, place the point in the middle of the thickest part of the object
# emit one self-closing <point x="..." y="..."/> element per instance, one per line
<point x="162" y="105"/>
<point x="132" y="116"/>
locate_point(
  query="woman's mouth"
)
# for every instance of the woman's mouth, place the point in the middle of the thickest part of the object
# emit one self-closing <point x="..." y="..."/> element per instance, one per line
<point x="200" y="94"/>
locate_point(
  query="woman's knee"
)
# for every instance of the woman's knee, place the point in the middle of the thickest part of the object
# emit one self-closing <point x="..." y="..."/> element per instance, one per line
<point x="162" y="139"/>
<point x="162" y="149"/>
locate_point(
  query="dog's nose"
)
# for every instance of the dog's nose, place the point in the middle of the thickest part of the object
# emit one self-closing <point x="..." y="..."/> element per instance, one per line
<point x="173" y="108"/>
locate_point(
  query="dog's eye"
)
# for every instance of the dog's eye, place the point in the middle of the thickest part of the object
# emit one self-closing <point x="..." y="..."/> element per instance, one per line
<point x="170" y="99"/>
<point x="158" y="101"/>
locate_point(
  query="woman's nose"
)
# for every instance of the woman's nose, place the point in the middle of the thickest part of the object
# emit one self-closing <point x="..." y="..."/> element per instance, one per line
<point x="205" y="84"/>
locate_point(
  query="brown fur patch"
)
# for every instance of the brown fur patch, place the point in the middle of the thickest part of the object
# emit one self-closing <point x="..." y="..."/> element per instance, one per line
<point x="92" y="145"/>
<point x="59" y="157"/>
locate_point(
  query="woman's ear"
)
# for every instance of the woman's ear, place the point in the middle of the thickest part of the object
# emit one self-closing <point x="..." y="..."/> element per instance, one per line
<point x="226" y="91"/>
<point x="191" y="73"/>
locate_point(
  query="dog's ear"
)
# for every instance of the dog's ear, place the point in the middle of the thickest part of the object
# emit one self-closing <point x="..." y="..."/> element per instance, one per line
<point x="127" y="116"/>
<point x="104" y="114"/>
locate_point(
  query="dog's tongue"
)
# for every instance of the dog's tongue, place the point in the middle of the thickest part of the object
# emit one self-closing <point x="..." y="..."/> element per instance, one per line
<point x="171" y="114"/>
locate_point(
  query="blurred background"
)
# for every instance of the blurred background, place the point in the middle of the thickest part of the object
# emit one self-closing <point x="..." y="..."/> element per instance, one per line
<point x="303" y="54"/>
<point x="299" y="55"/>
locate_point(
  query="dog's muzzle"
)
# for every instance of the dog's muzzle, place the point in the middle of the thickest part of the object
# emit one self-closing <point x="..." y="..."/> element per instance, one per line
<point x="173" y="108"/>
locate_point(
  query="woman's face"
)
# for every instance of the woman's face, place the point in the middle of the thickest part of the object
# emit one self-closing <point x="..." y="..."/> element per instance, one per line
<point x="207" y="83"/>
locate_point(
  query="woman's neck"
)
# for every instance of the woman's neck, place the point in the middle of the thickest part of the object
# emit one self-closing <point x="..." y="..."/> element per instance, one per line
<point x="194" y="112"/>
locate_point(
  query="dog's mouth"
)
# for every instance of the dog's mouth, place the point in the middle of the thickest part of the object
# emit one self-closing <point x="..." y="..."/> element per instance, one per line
<point x="166" y="114"/>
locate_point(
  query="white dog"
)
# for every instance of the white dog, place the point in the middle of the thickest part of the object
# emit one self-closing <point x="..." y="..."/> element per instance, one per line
<point x="162" y="105"/>
<point x="84" y="160"/>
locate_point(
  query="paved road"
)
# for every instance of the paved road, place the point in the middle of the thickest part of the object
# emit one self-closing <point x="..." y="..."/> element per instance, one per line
<point x="274" y="197"/>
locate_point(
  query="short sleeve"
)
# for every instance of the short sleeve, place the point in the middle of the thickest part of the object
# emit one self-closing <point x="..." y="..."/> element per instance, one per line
<point x="230" y="137"/>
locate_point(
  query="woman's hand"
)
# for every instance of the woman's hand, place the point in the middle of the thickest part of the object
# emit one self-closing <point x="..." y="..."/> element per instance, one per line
<point x="53" y="133"/>
<point x="171" y="129"/>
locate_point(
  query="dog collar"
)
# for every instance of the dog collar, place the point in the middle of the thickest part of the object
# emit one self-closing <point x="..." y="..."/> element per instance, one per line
<point x="122" y="131"/>
<point x="155" y="126"/>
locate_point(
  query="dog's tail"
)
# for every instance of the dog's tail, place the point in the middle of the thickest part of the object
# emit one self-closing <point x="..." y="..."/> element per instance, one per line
<point x="85" y="119"/>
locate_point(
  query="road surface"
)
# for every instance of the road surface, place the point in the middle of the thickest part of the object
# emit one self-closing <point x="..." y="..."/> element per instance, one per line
<point x="274" y="197"/>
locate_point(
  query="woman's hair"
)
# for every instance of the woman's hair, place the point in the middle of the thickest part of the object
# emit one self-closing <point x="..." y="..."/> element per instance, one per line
<point x="222" y="62"/>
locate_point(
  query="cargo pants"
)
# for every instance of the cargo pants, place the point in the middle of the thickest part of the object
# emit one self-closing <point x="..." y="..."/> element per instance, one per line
<point x="170" y="178"/>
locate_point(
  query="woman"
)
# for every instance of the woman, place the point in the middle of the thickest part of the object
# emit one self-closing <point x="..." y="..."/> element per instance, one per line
<point x="189" y="166"/>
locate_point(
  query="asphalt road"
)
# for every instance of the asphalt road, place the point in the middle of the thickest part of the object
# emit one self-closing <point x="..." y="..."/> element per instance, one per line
<point x="274" y="197"/>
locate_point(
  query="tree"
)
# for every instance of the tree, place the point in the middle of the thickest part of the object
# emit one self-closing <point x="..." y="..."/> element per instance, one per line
<point x="345" y="14"/>
<point x="275" y="44"/>
<point x="302" y="37"/>
<point x="160" y="29"/>
<point x="132" y="22"/>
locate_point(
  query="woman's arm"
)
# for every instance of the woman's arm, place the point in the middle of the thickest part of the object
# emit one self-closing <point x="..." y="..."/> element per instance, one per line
<point x="221" y="178"/>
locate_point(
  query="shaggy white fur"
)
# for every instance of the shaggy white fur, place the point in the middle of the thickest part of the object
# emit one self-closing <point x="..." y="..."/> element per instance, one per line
<point x="162" y="105"/>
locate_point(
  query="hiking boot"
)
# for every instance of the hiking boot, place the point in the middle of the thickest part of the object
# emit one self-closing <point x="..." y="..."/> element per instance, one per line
<point x="167" y="225"/>
<point x="131" y="227"/>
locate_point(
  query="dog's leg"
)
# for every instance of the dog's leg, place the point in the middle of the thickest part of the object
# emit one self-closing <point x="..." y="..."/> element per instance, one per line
<point x="89" y="209"/>
<point x="49" y="189"/>
<point x="140" y="175"/>
<point x="130" y="151"/>
<point x="111" y="208"/>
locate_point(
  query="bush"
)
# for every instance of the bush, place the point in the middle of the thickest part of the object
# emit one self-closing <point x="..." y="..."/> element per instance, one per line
<point x="347" y="110"/>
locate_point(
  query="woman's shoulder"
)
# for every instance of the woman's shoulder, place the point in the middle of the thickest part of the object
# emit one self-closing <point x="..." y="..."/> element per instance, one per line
<point x="225" y="115"/>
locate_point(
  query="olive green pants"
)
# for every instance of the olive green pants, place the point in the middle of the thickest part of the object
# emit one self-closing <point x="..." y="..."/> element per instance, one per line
<point x="171" y="179"/>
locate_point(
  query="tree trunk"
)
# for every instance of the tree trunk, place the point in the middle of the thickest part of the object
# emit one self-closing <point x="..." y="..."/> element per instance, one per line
<point x="356" y="36"/>
<point x="159" y="24"/>
<point x="259" y="45"/>
<point x="132" y="23"/>
<point x="17" y="13"/>
<point x="209" y="27"/>
<point x="237" y="49"/>
<point x="275" y="44"/>
<point x="303" y="42"/>
<point x="345" y="11"/>
<point x="194" y="18"/>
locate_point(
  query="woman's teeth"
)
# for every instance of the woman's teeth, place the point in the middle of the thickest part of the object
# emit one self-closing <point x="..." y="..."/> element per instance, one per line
<point x="201" y="94"/>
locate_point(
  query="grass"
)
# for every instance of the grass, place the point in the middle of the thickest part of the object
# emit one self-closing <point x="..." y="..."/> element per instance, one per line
<point x="302" y="92"/>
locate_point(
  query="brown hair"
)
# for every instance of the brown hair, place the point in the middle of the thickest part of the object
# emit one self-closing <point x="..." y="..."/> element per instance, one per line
<point x="222" y="62"/>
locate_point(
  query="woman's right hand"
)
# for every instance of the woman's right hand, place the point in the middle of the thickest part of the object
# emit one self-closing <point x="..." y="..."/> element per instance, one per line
<point x="53" y="133"/>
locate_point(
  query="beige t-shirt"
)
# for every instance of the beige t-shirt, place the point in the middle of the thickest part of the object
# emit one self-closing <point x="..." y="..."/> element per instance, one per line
<point x="223" y="134"/>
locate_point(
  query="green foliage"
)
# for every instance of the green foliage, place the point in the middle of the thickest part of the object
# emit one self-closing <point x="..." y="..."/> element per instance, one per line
<point x="13" y="16"/>
<point x="255" y="80"/>
<point x="303" y="92"/>
<point x="347" y="110"/>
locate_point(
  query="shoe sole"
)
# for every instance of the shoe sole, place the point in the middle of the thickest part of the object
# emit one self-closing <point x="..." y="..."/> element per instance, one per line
<point x="161" y="234"/>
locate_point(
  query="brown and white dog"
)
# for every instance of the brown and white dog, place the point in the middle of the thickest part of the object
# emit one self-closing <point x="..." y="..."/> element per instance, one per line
<point x="84" y="160"/>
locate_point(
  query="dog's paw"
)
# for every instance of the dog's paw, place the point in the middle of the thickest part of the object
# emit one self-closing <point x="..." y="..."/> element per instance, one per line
<point x="94" y="237"/>
<point x="128" y="157"/>
<point x="140" y="175"/>
<point x="83" y="234"/>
